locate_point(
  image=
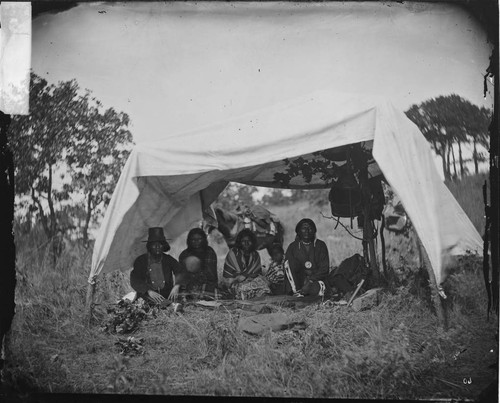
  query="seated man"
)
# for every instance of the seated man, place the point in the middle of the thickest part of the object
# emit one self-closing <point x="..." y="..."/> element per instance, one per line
<point x="306" y="258"/>
<point x="156" y="276"/>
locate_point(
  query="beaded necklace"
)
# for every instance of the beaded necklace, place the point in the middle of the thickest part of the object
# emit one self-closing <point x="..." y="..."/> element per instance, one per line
<point x="307" y="247"/>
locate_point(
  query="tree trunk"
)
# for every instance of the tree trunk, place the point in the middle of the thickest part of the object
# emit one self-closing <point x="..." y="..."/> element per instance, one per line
<point x="29" y="219"/>
<point x="460" y="158"/>
<point x="443" y="159"/>
<point x="53" y="222"/>
<point x="475" y="157"/>
<point x="42" y="215"/>
<point x="87" y="219"/>
<point x="438" y="149"/>
<point x="454" y="162"/>
<point x="448" y="167"/>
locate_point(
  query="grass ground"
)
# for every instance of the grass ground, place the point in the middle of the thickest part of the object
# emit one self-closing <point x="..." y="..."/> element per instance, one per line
<point x="395" y="350"/>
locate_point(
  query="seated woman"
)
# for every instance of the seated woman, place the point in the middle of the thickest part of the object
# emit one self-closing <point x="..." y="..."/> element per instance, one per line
<point x="243" y="270"/>
<point x="275" y="274"/>
<point x="306" y="258"/>
<point x="200" y="262"/>
<point x="156" y="276"/>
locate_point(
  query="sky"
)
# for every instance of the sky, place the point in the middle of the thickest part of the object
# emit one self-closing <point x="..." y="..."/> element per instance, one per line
<point x="174" y="67"/>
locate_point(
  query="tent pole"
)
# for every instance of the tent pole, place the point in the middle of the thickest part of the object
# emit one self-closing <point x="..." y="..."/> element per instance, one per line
<point x="382" y="246"/>
<point x="367" y="234"/>
<point x="89" y="303"/>
<point x="436" y="299"/>
<point x="367" y="224"/>
<point x="366" y="255"/>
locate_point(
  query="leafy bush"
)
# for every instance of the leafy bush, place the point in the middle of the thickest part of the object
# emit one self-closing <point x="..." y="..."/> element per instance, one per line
<point x="130" y="346"/>
<point x="125" y="316"/>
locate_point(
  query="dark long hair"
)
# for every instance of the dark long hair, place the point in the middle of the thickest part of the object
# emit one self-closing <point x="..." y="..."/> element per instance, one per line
<point x="246" y="232"/>
<point x="304" y="221"/>
<point x="197" y="231"/>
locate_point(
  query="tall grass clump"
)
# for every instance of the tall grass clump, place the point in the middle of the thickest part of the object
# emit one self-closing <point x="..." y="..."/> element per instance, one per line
<point x="339" y="354"/>
<point x="49" y="317"/>
<point x="466" y="291"/>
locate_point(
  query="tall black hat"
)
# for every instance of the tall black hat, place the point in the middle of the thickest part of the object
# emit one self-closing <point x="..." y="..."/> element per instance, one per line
<point x="155" y="234"/>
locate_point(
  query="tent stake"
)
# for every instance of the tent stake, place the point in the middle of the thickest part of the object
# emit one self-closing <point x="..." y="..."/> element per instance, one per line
<point x="89" y="304"/>
<point x="355" y="292"/>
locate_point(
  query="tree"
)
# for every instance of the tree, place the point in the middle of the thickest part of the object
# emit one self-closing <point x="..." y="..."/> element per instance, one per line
<point x="236" y="195"/>
<point x="276" y="198"/>
<point x="479" y="122"/>
<point x="449" y="120"/>
<point x="66" y="131"/>
<point x="38" y="141"/>
<point x="318" y="197"/>
<point x="97" y="154"/>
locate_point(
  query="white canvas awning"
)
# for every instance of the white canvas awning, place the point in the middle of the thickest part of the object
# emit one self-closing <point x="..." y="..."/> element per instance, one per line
<point x="167" y="183"/>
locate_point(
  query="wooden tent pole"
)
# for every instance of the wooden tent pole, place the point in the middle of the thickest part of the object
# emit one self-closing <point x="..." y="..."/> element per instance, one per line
<point x="371" y="246"/>
<point x="382" y="247"/>
<point x="366" y="254"/>
<point x="436" y="299"/>
<point x="89" y="303"/>
<point x="367" y="223"/>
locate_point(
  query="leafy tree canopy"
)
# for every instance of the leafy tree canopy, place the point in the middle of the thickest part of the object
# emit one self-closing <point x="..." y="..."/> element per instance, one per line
<point x="236" y="195"/>
<point x="451" y="120"/>
<point x="67" y="129"/>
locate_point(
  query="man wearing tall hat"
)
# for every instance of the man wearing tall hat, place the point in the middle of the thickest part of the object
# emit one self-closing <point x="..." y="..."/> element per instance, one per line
<point x="157" y="276"/>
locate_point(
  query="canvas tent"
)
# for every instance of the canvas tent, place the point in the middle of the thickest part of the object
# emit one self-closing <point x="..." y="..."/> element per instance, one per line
<point x="168" y="183"/>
